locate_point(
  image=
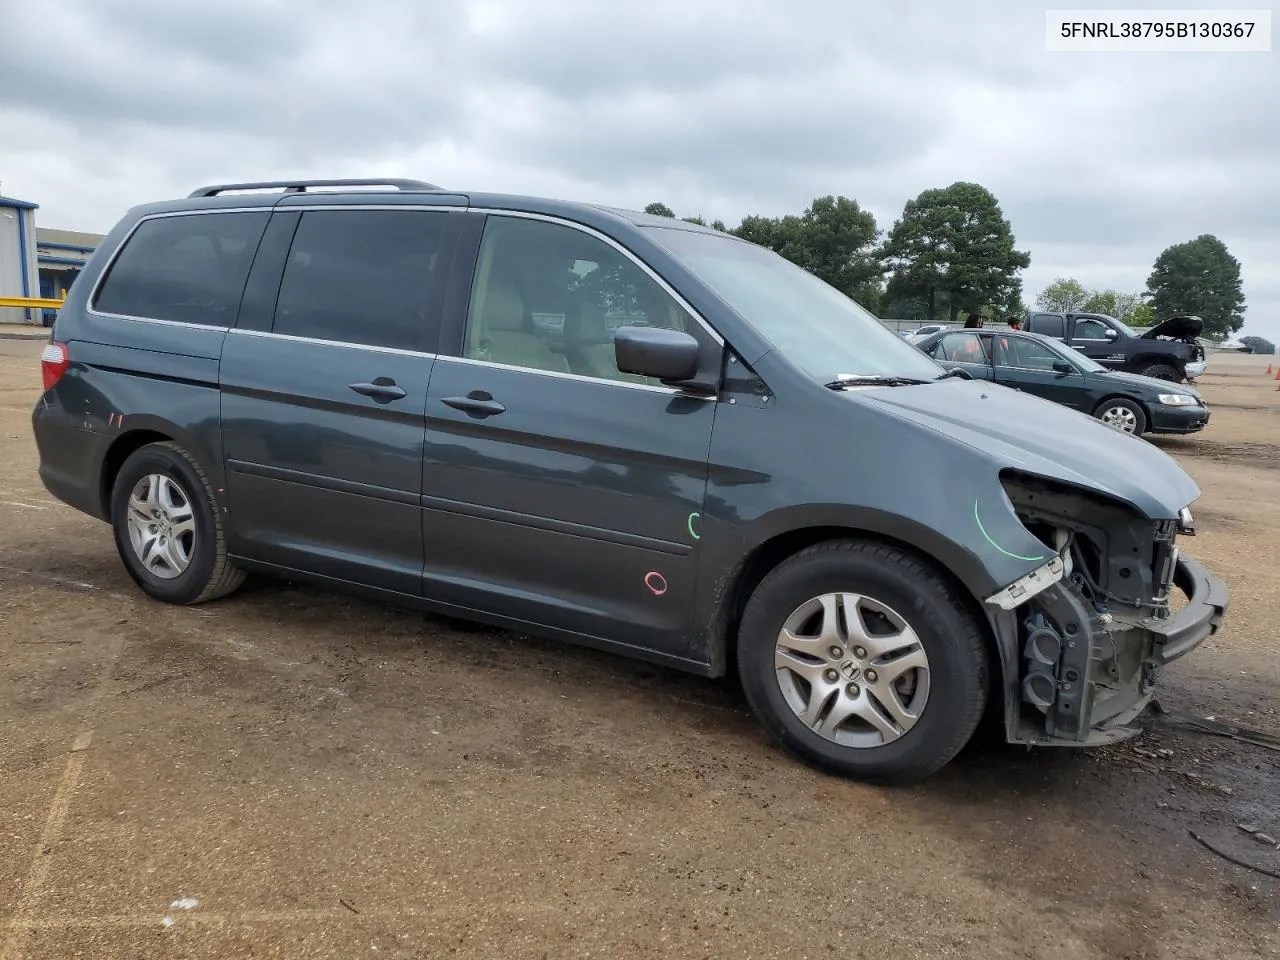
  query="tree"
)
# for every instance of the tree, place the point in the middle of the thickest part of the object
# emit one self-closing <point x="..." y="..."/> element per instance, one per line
<point x="955" y="241"/>
<point x="834" y="239"/>
<point x="1113" y="303"/>
<point x="1259" y="345"/>
<point x="1199" y="277"/>
<point x="1140" y="317"/>
<point x="1064" y="295"/>
<point x="659" y="210"/>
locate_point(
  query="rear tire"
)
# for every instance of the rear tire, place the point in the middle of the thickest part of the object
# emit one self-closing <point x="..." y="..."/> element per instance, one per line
<point x="1162" y="371"/>
<point x="167" y="527"/>
<point x="1122" y="414"/>
<point x="886" y="687"/>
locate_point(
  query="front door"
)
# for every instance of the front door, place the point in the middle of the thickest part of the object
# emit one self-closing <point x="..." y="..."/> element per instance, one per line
<point x="557" y="490"/>
<point x="324" y="388"/>
<point x="964" y="350"/>
<point x="1097" y="341"/>
<point x="1024" y="364"/>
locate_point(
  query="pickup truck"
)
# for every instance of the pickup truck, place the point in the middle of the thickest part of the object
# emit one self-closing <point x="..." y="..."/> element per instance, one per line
<point x="1168" y="351"/>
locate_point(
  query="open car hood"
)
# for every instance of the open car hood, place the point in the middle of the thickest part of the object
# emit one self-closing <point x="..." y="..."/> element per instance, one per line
<point x="1178" y="328"/>
<point x="1038" y="436"/>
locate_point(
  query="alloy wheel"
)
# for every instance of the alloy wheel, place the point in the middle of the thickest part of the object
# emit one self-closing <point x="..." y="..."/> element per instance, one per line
<point x="162" y="526"/>
<point x="852" y="669"/>
<point x="1121" y="418"/>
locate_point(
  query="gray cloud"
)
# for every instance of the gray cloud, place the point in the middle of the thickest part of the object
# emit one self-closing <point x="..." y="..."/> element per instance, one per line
<point x="716" y="107"/>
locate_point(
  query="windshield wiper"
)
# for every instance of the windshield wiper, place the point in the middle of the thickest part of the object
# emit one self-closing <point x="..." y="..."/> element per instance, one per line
<point x="870" y="380"/>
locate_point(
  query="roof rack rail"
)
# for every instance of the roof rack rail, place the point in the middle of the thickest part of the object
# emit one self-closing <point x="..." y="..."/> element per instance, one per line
<point x="300" y="186"/>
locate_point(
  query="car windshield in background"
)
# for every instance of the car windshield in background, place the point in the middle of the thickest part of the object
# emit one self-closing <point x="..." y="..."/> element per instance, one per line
<point x="809" y="322"/>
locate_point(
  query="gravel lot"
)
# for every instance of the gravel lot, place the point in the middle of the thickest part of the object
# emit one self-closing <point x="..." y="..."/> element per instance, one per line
<point x="289" y="773"/>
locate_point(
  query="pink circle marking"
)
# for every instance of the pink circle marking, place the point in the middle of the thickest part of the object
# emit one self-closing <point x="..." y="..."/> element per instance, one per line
<point x="656" y="583"/>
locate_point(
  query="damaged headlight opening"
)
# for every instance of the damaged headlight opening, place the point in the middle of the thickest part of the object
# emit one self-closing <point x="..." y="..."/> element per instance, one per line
<point x="1087" y="655"/>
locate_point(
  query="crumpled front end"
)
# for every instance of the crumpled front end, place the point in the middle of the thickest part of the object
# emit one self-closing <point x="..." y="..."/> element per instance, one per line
<point x="1095" y="625"/>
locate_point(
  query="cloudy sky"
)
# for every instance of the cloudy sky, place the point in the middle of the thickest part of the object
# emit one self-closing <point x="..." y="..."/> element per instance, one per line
<point x="716" y="107"/>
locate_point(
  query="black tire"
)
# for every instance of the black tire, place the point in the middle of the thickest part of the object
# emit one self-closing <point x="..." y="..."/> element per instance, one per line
<point x="1162" y="371"/>
<point x="946" y="630"/>
<point x="1123" y="403"/>
<point x="209" y="574"/>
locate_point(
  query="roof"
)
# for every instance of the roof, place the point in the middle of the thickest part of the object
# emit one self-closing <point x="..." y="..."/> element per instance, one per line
<point x="18" y="204"/>
<point x="67" y="239"/>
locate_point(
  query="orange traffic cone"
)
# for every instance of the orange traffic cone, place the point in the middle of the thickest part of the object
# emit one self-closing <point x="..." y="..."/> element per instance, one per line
<point x="1268" y="369"/>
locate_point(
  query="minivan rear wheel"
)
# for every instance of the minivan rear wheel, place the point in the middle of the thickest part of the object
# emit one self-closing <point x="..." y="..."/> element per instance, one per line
<point x="167" y="528"/>
<point x="861" y="660"/>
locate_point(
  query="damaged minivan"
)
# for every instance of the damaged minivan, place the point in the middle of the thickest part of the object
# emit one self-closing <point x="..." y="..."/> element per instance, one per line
<point x="624" y="431"/>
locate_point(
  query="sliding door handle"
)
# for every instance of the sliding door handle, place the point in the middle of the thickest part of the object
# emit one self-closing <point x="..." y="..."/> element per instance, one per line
<point x="381" y="390"/>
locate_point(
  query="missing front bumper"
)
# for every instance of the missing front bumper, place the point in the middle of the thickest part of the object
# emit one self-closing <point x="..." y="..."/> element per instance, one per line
<point x="1085" y="676"/>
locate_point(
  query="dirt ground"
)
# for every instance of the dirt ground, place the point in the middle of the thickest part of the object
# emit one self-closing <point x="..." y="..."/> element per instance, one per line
<point x="289" y="773"/>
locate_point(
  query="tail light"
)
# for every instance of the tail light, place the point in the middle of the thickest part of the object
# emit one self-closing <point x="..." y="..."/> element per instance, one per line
<point x="54" y="360"/>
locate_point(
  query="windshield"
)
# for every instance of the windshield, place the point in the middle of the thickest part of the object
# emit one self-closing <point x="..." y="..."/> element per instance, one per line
<point x="1119" y="323"/>
<point x="809" y="322"/>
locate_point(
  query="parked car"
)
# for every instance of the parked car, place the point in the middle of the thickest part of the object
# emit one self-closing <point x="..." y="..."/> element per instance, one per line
<point x="928" y="330"/>
<point x="347" y="387"/>
<point x="1168" y="351"/>
<point x="1046" y="368"/>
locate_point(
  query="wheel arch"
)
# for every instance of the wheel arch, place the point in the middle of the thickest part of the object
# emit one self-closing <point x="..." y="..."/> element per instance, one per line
<point x="138" y="432"/>
<point x="1162" y="359"/>
<point x="1141" y="404"/>
<point x="922" y="544"/>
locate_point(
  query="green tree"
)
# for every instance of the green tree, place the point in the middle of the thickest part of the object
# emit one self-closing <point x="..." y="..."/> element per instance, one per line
<point x="1113" y="303"/>
<point x="955" y="241"/>
<point x="659" y="210"/>
<point x="1202" y="278"/>
<point x="1064" y="295"/>
<point x="1141" y="317"/>
<point x="834" y="239"/>
<point x="1259" y="345"/>
<point x="698" y="220"/>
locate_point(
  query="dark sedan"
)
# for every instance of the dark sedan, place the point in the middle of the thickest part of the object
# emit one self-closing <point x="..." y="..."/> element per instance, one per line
<point x="1045" y="367"/>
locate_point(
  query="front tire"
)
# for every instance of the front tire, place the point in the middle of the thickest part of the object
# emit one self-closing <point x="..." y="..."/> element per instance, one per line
<point x="1123" y="415"/>
<point x="862" y="661"/>
<point x="167" y="528"/>
<point x="1162" y="371"/>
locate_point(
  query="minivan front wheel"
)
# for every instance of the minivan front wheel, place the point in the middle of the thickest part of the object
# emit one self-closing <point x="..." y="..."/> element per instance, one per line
<point x="863" y="661"/>
<point x="167" y="528"/>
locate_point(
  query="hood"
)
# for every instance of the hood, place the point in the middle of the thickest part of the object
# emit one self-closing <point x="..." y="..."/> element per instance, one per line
<point x="1179" y="328"/>
<point x="1134" y="381"/>
<point x="1037" y="436"/>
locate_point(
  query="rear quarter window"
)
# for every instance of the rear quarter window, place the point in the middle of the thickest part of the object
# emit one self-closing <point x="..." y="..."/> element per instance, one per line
<point x="185" y="269"/>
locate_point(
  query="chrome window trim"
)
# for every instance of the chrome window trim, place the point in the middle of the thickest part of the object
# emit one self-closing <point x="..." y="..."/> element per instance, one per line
<point x="671" y="391"/>
<point x="592" y="232"/>
<point x="124" y="242"/>
<point x="372" y="347"/>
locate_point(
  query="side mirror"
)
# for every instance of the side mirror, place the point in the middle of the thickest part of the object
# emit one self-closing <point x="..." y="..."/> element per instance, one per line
<point x="1110" y="334"/>
<point x="656" y="352"/>
<point x="1063" y="368"/>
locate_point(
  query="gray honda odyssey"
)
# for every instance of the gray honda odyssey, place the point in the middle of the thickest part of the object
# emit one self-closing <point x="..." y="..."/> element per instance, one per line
<point x="624" y="431"/>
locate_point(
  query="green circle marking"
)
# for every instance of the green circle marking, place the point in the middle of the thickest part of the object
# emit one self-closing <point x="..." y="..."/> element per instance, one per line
<point x="692" y="532"/>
